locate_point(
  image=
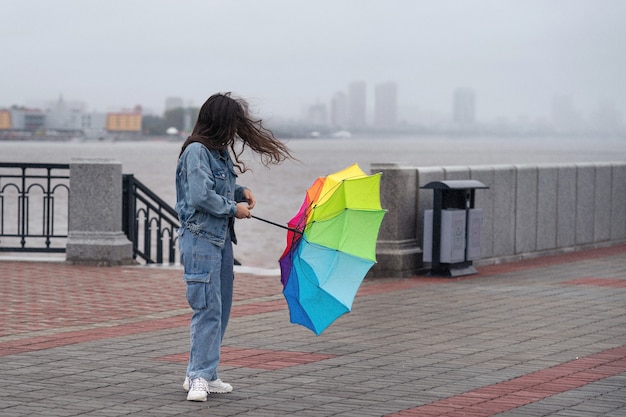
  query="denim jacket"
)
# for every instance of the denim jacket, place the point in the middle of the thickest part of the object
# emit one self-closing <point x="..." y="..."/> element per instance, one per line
<point x="207" y="193"/>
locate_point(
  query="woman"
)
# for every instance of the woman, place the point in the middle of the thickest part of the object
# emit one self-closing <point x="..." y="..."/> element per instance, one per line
<point x="207" y="201"/>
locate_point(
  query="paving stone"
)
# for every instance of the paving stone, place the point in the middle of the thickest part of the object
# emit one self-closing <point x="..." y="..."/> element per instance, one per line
<point x="536" y="337"/>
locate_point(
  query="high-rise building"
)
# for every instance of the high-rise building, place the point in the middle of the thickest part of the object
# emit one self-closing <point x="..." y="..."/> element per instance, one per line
<point x="339" y="110"/>
<point x="565" y="116"/>
<point x="464" y="107"/>
<point x="316" y="114"/>
<point x="172" y="103"/>
<point x="606" y="117"/>
<point x="357" y="104"/>
<point x="386" y="104"/>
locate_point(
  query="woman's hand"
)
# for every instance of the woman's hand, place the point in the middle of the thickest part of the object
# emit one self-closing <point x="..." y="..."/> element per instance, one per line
<point x="243" y="212"/>
<point x="247" y="194"/>
<point x="243" y="209"/>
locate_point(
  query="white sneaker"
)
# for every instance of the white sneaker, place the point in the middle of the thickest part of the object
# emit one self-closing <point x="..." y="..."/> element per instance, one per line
<point x="218" y="386"/>
<point x="199" y="390"/>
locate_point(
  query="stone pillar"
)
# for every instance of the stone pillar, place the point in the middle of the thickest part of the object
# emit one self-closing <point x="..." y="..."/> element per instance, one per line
<point x="95" y="235"/>
<point x="398" y="252"/>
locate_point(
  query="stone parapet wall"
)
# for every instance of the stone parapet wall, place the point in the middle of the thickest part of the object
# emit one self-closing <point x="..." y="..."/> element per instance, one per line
<point x="529" y="210"/>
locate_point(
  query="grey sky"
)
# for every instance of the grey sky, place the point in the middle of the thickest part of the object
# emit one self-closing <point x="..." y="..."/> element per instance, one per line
<point x="285" y="54"/>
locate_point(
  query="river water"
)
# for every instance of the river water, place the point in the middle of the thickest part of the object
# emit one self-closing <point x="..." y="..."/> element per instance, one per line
<point x="279" y="190"/>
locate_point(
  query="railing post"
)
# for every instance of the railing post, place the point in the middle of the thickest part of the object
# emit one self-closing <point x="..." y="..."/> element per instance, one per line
<point x="48" y="212"/>
<point x="129" y="211"/>
<point x="22" y="207"/>
<point x="95" y="214"/>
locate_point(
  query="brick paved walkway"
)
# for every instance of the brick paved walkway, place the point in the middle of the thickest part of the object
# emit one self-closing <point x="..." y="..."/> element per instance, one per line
<point x="543" y="337"/>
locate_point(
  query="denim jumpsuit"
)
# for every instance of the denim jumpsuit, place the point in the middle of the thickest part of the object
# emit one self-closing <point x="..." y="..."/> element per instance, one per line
<point x="206" y="202"/>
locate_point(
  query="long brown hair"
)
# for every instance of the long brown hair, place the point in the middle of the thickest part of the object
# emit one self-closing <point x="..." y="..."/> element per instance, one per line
<point x="223" y="118"/>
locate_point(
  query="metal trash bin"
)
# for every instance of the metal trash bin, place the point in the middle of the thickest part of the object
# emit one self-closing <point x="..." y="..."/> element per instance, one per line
<point x="452" y="229"/>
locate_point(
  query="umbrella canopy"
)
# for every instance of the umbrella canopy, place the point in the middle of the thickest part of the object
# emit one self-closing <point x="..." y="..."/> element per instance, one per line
<point x="331" y="245"/>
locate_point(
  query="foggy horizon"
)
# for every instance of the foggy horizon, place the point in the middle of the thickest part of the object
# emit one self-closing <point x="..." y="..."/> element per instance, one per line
<point x="283" y="56"/>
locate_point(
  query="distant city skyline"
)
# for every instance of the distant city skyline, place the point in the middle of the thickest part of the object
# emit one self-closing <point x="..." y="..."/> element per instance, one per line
<point x="405" y="112"/>
<point x="356" y="106"/>
<point x="284" y="56"/>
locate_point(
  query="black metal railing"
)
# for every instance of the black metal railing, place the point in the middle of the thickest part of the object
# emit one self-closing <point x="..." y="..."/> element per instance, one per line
<point x="34" y="213"/>
<point x="34" y="207"/>
<point x="149" y="223"/>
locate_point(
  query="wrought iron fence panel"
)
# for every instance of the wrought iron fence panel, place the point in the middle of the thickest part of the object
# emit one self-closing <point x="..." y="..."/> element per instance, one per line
<point x="34" y="207"/>
<point x="150" y="223"/>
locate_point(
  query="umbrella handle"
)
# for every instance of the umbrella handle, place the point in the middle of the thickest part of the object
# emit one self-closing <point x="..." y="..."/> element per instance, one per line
<point x="278" y="224"/>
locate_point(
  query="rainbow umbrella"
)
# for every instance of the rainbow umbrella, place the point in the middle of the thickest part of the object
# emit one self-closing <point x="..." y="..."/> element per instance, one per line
<point x="331" y="245"/>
